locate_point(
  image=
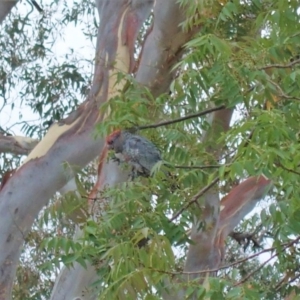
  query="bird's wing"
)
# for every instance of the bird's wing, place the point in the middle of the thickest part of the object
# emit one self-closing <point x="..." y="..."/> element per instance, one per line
<point x="132" y="148"/>
<point x="142" y="151"/>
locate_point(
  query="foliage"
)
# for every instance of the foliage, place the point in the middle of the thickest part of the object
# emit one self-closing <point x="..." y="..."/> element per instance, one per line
<point x="239" y="59"/>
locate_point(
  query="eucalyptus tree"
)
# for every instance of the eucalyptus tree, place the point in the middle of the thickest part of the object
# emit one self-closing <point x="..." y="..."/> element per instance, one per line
<point x="214" y="84"/>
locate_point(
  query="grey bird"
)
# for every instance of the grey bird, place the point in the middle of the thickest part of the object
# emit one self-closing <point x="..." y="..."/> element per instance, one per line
<point x="135" y="150"/>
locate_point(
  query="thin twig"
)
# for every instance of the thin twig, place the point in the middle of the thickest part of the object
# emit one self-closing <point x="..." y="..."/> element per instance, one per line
<point x="267" y="261"/>
<point x="279" y="285"/>
<point x="294" y="35"/>
<point x="217" y="269"/>
<point x="199" y="114"/>
<point x="195" y="198"/>
<point x="200" y="193"/>
<point x="282" y="93"/>
<point x="287" y="169"/>
<point x="279" y="66"/>
<point x="285" y="245"/>
<point x="39" y="9"/>
<point x="255" y="270"/>
<point x="282" y="282"/>
<point x="199" y="167"/>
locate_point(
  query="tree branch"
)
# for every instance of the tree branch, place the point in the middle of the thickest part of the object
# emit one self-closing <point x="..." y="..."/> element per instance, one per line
<point x="287" y="169"/>
<point x="195" y="198"/>
<point x="198" y="167"/>
<point x="217" y="269"/>
<point x="282" y="93"/>
<point x="34" y="3"/>
<point x="286" y="245"/>
<point x="283" y="282"/>
<point x="16" y="144"/>
<point x="279" y="66"/>
<point x="191" y="116"/>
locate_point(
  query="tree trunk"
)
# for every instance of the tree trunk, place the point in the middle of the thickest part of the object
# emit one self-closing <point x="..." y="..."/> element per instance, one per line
<point x="70" y="140"/>
<point x="5" y="8"/>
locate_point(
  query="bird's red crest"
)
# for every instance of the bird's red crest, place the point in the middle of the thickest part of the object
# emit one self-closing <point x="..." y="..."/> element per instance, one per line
<point x="115" y="134"/>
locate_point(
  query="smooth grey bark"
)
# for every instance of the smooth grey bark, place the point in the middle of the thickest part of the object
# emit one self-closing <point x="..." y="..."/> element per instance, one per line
<point x="5" y="8"/>
<point x="163" y="47"/>
<point x="69" y="283"/>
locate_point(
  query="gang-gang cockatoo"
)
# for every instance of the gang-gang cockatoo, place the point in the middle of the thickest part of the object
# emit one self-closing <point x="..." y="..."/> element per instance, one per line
<point x="135" y="150"/>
